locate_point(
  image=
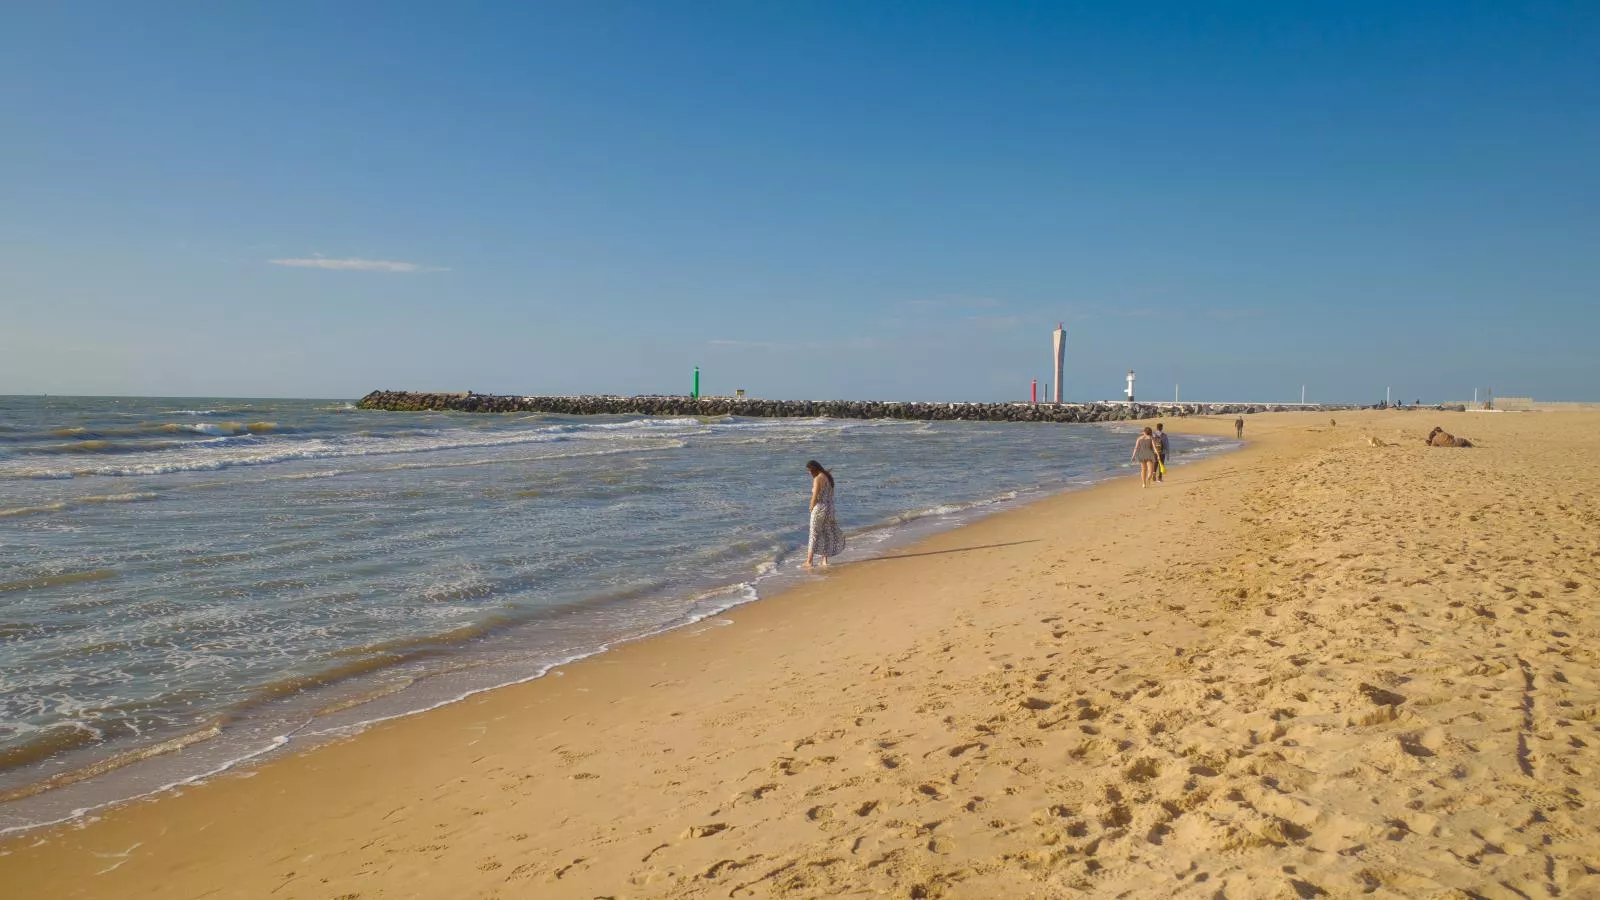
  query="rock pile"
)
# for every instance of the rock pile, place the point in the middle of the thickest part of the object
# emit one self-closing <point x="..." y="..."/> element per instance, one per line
<point x="404" y="401"/>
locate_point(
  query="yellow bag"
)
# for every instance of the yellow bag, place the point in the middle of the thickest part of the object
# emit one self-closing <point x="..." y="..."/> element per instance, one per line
<point x="1161" y="468"/>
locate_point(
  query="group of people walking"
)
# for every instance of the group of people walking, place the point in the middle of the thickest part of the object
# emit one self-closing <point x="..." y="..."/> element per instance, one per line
<point x="826" y="539"/>
<point x="1150" y="452"/>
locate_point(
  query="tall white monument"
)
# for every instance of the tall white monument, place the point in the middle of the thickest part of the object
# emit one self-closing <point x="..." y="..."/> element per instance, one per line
<point x="1130" y="385"/>
<point x="1061" y="355"/>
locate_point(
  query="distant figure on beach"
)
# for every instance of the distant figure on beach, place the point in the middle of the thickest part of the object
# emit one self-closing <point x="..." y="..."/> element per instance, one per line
<point x="1161" y="451"/>
<point x="1144" y="453"/>
<point x="1238" y="428"/>
<point x="826" y="538"/>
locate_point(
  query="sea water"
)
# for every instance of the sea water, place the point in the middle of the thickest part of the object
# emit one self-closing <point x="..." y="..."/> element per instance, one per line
<point x="187" y="584"/>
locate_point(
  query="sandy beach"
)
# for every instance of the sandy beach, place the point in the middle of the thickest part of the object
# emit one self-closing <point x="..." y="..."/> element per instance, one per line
<point x="1335" y="663"/>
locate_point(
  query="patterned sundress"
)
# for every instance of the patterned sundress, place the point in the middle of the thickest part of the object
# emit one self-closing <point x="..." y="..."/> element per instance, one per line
<point x="826" y="538"/>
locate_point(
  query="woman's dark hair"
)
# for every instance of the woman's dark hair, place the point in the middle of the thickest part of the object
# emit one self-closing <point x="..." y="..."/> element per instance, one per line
<point x="1147" y="429"/>
<point x="815" y="468"/>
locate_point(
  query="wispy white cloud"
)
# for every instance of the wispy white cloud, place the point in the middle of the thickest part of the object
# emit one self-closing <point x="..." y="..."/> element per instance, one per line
<point x="953" y="304"/>
<point x="355" y="265"/>
<point x="997" y="323"/>
<point x="1235" y="313"/>
<point x="852" y="343"/>
<point x="751" y="345"/>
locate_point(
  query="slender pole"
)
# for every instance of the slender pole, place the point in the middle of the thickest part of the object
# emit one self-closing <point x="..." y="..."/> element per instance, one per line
<point x="1386" y="401"/>
<point x="1302" y="395"/>
<point x="696" y="392"/>
<point x="1059" y="345"/>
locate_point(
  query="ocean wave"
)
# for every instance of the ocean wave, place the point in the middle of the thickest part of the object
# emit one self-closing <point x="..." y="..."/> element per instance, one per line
<point x="944" y="509"/>
<point x="32" y="510"/>
<point x="59" y="505"/>
<point x="211" y="428"/>
<point x="630" y="425"/>
<point x="812" y="425"/>
<point x="127" y="497"/>
<point x="107" y="447"/>
<point x="230" y="455"/>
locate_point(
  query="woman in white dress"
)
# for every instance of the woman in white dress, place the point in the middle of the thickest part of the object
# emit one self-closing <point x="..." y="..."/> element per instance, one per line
<point x="826" y="538"/>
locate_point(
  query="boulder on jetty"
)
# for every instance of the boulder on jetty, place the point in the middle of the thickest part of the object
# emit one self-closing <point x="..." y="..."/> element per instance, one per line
<point x="1438" y="437"/>
<point x="405" y="401"/>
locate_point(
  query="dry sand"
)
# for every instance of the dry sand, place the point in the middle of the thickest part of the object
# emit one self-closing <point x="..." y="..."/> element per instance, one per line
<point x="1316" y="667"/>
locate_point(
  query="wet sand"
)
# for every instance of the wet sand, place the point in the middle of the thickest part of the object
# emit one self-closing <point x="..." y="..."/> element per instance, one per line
<point x="1315" y="667"/>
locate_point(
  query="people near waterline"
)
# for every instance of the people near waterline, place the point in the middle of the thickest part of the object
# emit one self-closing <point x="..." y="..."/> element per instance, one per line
<point x="1144" y="453"/>
<point x="1161" y="452"/>
<point x="1238" y="428"/>
<point x="826" y="538"/>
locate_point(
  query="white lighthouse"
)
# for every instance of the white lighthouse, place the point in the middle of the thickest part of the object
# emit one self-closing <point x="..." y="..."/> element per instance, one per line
<point x="1060" y="335"/>
<point x="1130" y="385"/>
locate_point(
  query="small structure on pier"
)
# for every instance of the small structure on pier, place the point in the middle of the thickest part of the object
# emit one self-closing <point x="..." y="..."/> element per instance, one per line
<point x="1130" y="385"/>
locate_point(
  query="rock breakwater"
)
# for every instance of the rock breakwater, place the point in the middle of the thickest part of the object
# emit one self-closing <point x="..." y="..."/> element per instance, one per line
<point x="407" y="401"/>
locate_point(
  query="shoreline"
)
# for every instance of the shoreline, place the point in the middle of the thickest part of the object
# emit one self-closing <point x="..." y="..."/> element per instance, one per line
<point x="1019" y="706"/>
<point x="335" y="708"/>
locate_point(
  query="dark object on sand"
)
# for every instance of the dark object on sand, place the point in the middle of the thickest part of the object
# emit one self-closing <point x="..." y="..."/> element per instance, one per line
<point x="1438" y="437"/>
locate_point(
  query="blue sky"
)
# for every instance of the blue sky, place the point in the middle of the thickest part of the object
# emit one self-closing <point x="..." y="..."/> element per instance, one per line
<point x="804" y="199"/>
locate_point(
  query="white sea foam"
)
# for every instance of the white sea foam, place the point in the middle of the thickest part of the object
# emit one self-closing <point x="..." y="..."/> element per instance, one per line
<point x="259" y="453"/>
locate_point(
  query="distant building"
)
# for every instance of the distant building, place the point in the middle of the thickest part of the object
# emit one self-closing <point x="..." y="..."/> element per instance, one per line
<point x="1060" y="336"/>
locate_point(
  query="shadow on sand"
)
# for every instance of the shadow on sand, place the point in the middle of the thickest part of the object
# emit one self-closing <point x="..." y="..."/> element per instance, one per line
<point x="952" y="550"/>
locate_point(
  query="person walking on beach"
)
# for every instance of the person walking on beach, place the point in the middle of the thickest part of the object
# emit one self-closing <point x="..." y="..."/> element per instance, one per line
<point x="826" y="538"/>
<point x="1238" y="428"/>
<point x="1144" y="453"/>
<point x="1161" y="452"/>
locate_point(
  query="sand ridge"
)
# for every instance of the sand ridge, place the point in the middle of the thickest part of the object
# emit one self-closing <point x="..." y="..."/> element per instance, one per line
<point x="1322" y="666"/>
